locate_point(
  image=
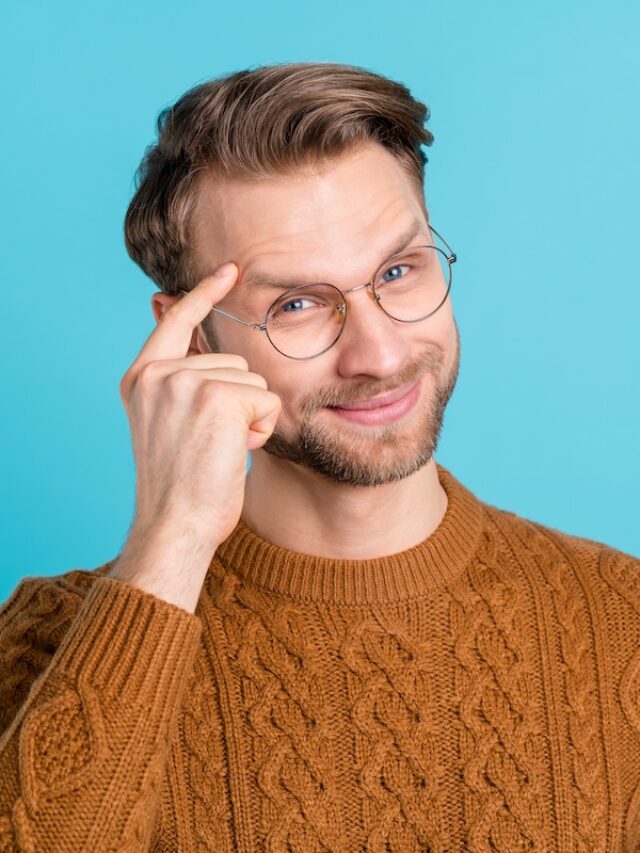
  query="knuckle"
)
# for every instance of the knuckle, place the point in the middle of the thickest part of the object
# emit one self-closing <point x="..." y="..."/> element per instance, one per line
<point x="275" y="399"/>
<point x="124" y="386"/>
<point x="148" y="374"/>
<point x="212" y="391"/>
<point x="180" y="380"/>
<point x="258" y="379"/>
<point x="241" y="362"/>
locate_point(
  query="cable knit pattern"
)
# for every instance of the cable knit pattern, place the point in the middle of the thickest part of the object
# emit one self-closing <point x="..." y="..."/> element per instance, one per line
<point x="395" y="713"/>
<point x="284" y="713"/>
<point x="29" y="635"/>
<point x="82" y="760"/>
<point x="201" y="734"/>
<point x="584" y="723"/>
<point x="50" y="733"/>
<point x="501" y="745"/>
<point x="624" y="578"/>
<point x="477" y="692"/>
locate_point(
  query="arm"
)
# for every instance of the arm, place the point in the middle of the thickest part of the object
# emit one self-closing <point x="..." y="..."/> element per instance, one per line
<point x="84" y="752"/>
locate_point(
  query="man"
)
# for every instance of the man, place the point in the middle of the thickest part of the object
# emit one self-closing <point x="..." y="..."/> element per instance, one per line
<point x="344" y="649"/>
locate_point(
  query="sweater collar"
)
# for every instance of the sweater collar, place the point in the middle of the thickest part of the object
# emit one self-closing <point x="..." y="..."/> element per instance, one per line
<point x="421" y="570"/>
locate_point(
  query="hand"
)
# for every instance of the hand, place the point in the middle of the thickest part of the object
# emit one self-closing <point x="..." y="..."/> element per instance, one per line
<point x="193" y="420"/>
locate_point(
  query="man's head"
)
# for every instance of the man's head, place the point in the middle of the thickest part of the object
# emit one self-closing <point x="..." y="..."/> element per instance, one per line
<point x="311" y="172"/>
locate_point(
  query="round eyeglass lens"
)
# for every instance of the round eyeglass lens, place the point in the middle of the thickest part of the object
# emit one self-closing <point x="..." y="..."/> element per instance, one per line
<point x="306" y="321"/>
<point x="413" y="284"/>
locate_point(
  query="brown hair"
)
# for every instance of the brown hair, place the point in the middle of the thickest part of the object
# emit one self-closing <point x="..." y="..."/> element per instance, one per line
<point x="254" y="123"/>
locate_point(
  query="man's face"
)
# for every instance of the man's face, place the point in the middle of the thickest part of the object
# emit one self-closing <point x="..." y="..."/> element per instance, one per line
<point x="334" y="225"/>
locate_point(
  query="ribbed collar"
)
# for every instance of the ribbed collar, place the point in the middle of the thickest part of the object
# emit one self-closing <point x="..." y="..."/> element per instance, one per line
<point x="417" y="571"/>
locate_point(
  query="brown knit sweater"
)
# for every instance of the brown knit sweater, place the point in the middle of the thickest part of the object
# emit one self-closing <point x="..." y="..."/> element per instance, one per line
<point x="477" y="692"/>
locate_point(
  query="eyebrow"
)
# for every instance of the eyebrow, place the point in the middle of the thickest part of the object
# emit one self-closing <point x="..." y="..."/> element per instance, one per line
<point x="268" y="281"/>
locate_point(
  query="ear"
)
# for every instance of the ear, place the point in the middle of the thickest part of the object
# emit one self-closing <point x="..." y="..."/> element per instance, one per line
<point x="161" y="302"/>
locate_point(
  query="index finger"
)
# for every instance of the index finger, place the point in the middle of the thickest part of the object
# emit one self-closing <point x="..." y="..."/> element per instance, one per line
<point x="172" y="336"/>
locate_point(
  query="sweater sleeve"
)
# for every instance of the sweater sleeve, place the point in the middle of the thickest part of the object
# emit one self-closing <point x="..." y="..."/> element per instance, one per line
<point x="90" y="692"/>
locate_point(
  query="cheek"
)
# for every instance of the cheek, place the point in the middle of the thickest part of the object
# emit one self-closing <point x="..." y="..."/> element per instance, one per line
<point x="450" y="344"/>
<point x="443" y="330"/>
<point x="299" y="391"/>
<point x="438" y="335"/>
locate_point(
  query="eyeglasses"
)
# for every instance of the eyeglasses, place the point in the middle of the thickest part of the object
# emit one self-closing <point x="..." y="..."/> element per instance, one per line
<point x="307" y="320"/>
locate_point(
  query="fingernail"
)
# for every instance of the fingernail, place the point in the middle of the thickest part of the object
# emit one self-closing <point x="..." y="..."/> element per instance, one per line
<point x="225" y="269"/>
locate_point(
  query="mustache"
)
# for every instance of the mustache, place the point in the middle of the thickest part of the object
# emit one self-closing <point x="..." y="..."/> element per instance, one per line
<point x="428" y="361"/>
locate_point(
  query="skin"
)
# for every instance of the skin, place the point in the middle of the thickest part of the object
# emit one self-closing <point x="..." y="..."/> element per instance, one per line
<point x="360" y="491"/>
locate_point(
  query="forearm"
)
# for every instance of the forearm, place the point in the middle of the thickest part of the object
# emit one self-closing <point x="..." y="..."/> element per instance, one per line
<point x="167" y="560"/>
<point x="82" y="762"/>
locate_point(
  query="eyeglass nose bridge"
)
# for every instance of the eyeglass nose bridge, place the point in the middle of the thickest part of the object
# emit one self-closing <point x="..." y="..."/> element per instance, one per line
<point x="374" y="296"/>
<point x="360" y="286"/>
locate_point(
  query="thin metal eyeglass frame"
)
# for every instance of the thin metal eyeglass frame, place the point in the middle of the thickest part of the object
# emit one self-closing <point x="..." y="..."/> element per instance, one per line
<point x="451" y="258"/>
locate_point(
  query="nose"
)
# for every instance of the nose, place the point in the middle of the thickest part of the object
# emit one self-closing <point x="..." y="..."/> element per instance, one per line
<point x="371" y="343"/>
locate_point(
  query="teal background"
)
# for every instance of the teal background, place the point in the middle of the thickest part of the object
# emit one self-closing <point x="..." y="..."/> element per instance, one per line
<point x="533" y="179"/>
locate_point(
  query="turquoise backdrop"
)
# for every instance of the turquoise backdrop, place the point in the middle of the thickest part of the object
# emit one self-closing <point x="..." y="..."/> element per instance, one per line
<point x="533" y="178"/>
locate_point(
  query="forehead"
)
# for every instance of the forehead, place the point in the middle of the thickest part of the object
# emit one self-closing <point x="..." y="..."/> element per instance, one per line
<point x="257" y="281"/>
<point x="312" y="220"/>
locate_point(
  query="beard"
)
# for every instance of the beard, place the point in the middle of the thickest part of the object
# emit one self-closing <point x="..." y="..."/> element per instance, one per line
<point x="383" y="454"/>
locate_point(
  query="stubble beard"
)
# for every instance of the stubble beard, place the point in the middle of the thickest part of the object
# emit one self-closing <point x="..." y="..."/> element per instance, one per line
<point x="373" y="456"/>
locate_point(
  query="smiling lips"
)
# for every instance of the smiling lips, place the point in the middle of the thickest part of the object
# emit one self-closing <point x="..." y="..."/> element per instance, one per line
<point x="380" y="410"/>
<point x="377" y="402"/>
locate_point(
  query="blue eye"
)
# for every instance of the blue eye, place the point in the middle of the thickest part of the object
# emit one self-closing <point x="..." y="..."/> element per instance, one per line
<point x="286" y="306"/>
<point x="396" y="267"/>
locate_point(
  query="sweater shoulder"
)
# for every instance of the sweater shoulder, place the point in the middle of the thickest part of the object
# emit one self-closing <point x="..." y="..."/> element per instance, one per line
<point x="33" y="622"/>
<point x="42" y="598"/>
<point x="521" y="526"/>
<point x="39" y="596"/>
<point x="589" y="558"/>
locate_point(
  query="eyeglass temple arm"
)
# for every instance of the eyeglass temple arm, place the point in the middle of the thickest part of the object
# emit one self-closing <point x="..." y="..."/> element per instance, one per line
<point x="453" y="257"/>
<point x="260" y="326"/>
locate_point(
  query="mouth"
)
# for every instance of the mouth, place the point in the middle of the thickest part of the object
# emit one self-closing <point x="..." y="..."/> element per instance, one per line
<point x="376" y="402"/>
<point x="380" y="410"/>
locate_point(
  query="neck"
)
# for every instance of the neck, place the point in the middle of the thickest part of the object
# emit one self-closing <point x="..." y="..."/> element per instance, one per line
<point x="298" y="509"/>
